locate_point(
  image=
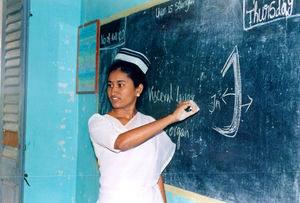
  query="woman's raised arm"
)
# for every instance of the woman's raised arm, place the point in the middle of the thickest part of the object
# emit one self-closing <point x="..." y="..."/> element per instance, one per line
<point x="139" y="135"/>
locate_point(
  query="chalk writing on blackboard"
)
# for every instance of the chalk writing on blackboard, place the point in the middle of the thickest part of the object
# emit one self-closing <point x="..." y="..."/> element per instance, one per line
<point x="178" y="132"/>
<point x="232" y="129"/>
<point x="177" y="6"/>
<point x="168" y="96"/>
<point x="257" y="13"/>
<point x="113" y="37"/>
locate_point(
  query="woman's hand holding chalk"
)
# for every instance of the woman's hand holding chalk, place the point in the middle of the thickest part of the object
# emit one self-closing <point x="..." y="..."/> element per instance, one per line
<point x="185" y="110"/>
<point x="188" y="109"/>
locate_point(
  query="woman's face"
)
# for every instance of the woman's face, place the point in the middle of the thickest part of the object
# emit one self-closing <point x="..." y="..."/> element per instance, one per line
<point x="121" y="91"/>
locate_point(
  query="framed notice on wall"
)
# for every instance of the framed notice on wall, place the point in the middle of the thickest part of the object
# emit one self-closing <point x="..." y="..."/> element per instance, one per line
<point x="88" y="57"/>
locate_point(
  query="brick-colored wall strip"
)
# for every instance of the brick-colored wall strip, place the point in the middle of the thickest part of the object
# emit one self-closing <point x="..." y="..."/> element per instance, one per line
<point x="10" y="138"/>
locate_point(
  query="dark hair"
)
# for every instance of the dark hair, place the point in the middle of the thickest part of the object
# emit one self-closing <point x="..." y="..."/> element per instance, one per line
<point x="132" y="71"/>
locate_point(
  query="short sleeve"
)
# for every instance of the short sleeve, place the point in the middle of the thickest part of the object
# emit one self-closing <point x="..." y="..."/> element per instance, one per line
<point x="166" y="150"/>
<point x="102" y="132"/>
<point x="165" y="146"/>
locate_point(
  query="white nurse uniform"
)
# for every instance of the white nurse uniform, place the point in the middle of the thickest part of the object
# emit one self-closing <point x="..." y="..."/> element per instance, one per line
<point x="129" y="176"/>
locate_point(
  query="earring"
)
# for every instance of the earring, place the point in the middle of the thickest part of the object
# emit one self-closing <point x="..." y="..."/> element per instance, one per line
<point x="138" y="95"/>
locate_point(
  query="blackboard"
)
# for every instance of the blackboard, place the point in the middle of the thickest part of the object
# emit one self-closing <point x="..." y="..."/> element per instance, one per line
<point x="240" y="62"/>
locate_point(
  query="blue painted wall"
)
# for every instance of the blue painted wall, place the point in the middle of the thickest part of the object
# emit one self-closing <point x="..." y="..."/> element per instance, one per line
<point x="87" y="184"/>
<point x="52" y="103"/>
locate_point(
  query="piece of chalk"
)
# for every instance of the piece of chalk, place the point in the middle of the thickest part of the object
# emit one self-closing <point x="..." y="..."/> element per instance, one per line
<point x="188" y="109"/>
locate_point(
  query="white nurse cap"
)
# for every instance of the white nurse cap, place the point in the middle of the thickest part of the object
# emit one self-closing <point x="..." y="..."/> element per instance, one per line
<point x="134" y="57"/>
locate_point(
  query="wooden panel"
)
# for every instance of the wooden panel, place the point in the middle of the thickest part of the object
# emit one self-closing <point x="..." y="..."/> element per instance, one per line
<point x="9" y="192"/>
<point x="12" y="45"/>
<point x="11" y="99"/>
<point x="9" y="81"/>
<point x="11" y="108"/>
<point x="10" y="117"/>
<point x="13" y="17"/>
<point x="10" y="138"/>
<point x="13" y="36"/>
<point x="11" y="126"/>
<point x="10" y="2"/>
<point x="12" y="53"/>
<point x="14" y="7"/>
<point x="10" y="152"/>
<point x="12" y="90"/>
<point x="12" y="63"/>
<point x="13" y="26"/>
<point x="9" y="72"/>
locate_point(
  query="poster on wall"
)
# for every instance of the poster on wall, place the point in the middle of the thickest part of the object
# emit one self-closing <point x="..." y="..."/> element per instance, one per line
<point x="88" y="57"/>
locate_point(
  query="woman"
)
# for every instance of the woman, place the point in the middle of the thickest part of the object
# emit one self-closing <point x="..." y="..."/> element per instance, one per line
<point x="132" y="148"/>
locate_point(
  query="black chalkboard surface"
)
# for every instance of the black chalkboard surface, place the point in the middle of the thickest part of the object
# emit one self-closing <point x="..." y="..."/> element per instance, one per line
<point x="240" y="62"/>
